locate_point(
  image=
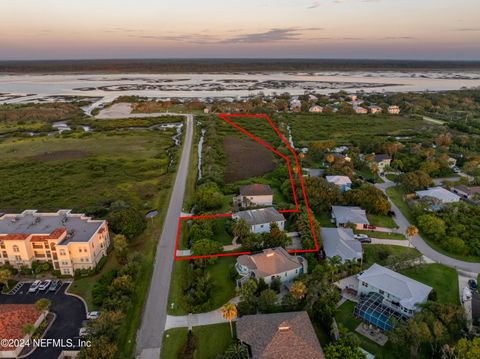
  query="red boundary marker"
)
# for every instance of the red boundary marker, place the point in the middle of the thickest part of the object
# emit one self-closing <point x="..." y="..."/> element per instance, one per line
<point x="225" y="117"/>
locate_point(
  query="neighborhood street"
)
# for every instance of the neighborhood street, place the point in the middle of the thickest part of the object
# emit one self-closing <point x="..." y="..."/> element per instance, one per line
<point x="150" y="333"/>
<point x="420" y="244"/>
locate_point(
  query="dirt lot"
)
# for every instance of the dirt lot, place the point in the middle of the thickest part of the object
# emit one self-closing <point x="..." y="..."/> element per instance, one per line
<point x="246" y="158"/>
<point x="61" y="155"/>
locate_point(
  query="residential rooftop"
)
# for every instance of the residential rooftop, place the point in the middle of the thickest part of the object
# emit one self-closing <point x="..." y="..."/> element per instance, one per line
<point x="79" y="228"/>
<point x="340" y="242"/>
<point x="339" y="180"/>
<point x="271" y="261"/>
<point x="440" y="193"/>
<point x="352" y="214"/>
<point x="260" y="216"/>
<point x="407" y="290"/>
<point x="280" y="336"/>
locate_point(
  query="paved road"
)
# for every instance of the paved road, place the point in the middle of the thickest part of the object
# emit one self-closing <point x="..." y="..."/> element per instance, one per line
<point x="420" y="244"/>
<point x="150" y="334"/>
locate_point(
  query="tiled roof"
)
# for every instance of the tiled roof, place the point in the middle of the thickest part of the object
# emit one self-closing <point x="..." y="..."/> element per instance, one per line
<point x="256" y="190"/>
<point x="279" y="336"/>
<point x="12" y="319"/>
<point x="270" y="262"/>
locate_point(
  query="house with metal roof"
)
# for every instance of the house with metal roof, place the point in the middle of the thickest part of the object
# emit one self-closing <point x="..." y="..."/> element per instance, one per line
<point x="443" y="195"/>
<point x="279" y="335"/>
<point x="342" y="215"/>
<point x="260" y="219"/>
<point x="339" y="242"/>
<point x="400" y="293"/>
<point x="342" y="182"/>
<point x="270" y="264"/>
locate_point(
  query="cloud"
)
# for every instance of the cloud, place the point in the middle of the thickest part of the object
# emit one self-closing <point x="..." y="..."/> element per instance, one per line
<point x="314" y="5"/>
<point x="468" y="29"/>
<point x="191" y="38"/>
<point x="275" y="34"/>
<point x="398" y="38"/>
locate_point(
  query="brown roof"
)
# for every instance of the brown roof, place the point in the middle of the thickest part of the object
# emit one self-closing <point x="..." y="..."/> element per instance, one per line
<point x="470" y="191"/>
<point x="271" y="261"/>
<point x="279" y="336"/>
<point x="12" y="319"/>
<point x="256" y="190"/>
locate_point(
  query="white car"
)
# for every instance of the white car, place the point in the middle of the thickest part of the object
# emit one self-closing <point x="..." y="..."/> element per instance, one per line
<point x="34" y="286"/>
<point x="45" y="284"/>
<point x="83" y="332"/>
<point x="360" y="236"/>
<point x="93" y="315"/>
<point x="467" y="294"/>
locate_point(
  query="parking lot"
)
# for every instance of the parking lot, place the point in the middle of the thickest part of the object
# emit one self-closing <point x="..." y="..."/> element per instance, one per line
<point x="69" y="311"/>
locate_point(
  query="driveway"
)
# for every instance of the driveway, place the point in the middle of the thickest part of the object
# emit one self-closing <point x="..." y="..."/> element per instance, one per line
<point x="69" y="311"/>
<point x="150" y="334"/>
<point x="463" y="278"/>
<point x="420" y="244"/>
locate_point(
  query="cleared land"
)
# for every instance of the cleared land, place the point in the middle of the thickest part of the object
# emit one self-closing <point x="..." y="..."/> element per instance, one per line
<point x="246" y="158"/>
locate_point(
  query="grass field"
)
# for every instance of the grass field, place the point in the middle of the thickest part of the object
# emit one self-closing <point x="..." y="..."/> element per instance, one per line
<point x="378" y="253"/>
<point x="210" y="341"/>
<point x="381" y="221"/>
<point x="382" y="235"/>
<point x="442" y="278"/>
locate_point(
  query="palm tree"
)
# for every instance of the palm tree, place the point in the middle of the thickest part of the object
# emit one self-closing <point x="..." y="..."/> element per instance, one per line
<point x="229" y="312"/>
<point x="411" y="232"/>
<point x="240" y="229"/>
<point x="4" y="276"/>
<point x="298" y="290"/>
<point x="236" y="351"/>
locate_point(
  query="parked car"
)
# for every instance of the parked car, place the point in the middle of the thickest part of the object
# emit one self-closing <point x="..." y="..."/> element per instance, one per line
<point x="45" y="284"/>
<point x="93" y="315"/>
<point x="83" y="332"/>
<point x="472" y="284"/>
<point x="34" y="286"/>
<point x="369" y="226"/>
<point x="55" y="285"/>
<point x="360" y="236"/>
<point x="456" y="169"/>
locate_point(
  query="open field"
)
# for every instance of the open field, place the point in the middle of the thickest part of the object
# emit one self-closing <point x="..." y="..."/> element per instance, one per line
<point x="379" y="253"/>
<point x="246" y="158"/>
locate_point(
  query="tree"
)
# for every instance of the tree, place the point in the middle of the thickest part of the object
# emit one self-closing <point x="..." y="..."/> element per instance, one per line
<point x="298" y="290"/>
<point x="411" y="232"/>
<point x="369" y="197"/>
<point x="208" y="197"/>
<point x="5" y="274"/>
<point x="267" y="300"/>
<point x="341" y="350"/>
<point x="127" y="221"/>
<point x="321" y="194"/>
<point x="276" y="237"/>
<point x="432" y="225"/>
<point x="229" y="312"/>
<point x="240" y="229"/>
<point x="100" y="348"/>
<point x="236" y="351"/>
<point x="468" y="349"/>
<point x="120" y="245"/>
<point x="42" y="304"/>
<point x="206" y="247"/>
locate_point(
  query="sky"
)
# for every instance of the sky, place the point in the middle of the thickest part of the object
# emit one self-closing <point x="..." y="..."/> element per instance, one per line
<point x="383" y="29"/>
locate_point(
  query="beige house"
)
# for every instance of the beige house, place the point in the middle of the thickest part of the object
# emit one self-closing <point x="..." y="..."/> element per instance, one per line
<point x="393" y="110"/>
<point x="316" y="109"/>
<point x="375" y="109"/>
<point x="256" y="195"/>
<point x="67" y="241"/>
<point x="382" y="161"/>
<point x="360" y="110"/>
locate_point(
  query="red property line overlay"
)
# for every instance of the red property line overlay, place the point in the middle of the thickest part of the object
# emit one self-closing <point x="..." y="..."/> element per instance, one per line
<point x="296" y="210"/>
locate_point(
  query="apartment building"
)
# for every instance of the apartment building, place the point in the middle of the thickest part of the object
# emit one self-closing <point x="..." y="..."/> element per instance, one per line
<point x="66" y="240"/>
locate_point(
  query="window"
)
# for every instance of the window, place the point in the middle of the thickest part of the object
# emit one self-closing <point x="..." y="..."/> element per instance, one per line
<point x="18" y="258"/>
<point x="16" y="249"/>
<point x="80" y="250"/>
<point x="62" y="252"/>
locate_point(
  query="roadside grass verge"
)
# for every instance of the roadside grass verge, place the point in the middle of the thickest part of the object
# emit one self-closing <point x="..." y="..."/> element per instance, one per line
<point x="381" y="221"/>
<point x="382" y="235"/>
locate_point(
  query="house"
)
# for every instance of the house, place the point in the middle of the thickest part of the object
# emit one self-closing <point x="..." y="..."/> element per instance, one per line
<point x="206" y="110"/>
<point x="342" y="182"/>
<point x="465" y="191"/>
<point x="375" y="109"/>
<point x="339" y="242"/>
<point x="439" y="193"/>
<point x="259" y="219"/>
<point x="314" y="172"/>
<point x="452" y="162"/>
<point x="353" y="98"/>
<point x="13" y="318"/>
<point x="342" y="215"/>
<point x="393" y="110"/>
<point x="270" y="264"/>
<point x="316" y="109"/>
<point x="65" y="240"/>
<point x="400" y="293"/>
<point x="279" y="335"/>
<point x="256" y="195"/>
<point x="360" y="110"/>
<point x="295" y="105"/>
<point x="382" y="161"/>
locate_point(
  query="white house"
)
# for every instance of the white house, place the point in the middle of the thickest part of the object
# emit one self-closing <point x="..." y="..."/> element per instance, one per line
<point x="439" y="193"/>
<point x="382" y="161"/>
<point x="259" y="219"/>
<point x="393" y="110"/>
<point x="375" y="109"/>
<point x="270" y="264"/>
<point x="342" y="215"/>
<point x="339" y="242"/>
<point x="316" y="109"/>
<point x="360" y="110"/>
<point x="399" y="292"/>
<point x="256" y="195"/>
<point x="342" y="182"/>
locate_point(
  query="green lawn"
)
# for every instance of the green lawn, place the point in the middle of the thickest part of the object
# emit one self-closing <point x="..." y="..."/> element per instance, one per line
<point x="221" y="235"/>
<point x="379" y="253"/>
<point x="381" y="221"/>
<point x="210" y="341"/>
<point x="442" y="278"/>
<point x="396" y="195"/>
<point x="382" y="235"/>
<point x="324" y="218"/>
